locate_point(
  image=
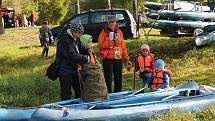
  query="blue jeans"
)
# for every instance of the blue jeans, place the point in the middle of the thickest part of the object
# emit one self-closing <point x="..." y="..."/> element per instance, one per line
<point x="146" y="78"/>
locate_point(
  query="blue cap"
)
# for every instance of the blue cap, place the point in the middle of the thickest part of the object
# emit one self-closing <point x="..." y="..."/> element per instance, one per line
<point x="160" y="63"/>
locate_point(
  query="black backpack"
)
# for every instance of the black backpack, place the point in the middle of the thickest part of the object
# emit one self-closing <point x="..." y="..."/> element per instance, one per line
<point x="52" y="71"/>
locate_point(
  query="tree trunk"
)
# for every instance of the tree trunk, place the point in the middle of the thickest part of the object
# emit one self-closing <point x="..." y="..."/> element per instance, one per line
<point x="109" y="4"/>
<point x="135" y="8"/>
<point x="1" y="22"/>
<point x="77" y="7"/>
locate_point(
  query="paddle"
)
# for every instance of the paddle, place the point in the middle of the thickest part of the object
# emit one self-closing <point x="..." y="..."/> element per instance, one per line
<point x="143" y="90"/>
<point x="135" y="58"/>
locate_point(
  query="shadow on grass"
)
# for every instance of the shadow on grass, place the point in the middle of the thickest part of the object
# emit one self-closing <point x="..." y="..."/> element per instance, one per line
<point x="27" y="47"/>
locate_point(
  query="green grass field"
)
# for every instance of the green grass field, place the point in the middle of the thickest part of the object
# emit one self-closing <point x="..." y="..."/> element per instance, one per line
<point x="22" y="69"/>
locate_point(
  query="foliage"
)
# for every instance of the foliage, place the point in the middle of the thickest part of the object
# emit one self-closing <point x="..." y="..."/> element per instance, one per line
<point x="60" y="10"/>
<point x="206" y="115"/>
<point x="28" y="6"/>
<point x="21" y="6"/>
<point x="53" y="10"/>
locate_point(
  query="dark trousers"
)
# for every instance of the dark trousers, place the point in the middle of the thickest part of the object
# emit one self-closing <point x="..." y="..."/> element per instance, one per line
<point x="67" y="82"/>
<point x="112" y="66"/>
<point x="45" y="49"/>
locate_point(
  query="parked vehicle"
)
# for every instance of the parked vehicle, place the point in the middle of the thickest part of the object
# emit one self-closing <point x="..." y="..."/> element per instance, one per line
<point x="8" y="17"/>
<point x="204" y="36"/>
<point x="93" y="22"/>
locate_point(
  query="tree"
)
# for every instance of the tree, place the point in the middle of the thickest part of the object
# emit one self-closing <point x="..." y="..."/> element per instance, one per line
<point x="135" y="8"/>
<point x="109" y="4"/>
<point x="28" y="5"/>
<point x="58" y="9"/>
<point x="77" y="7"/>
<point x="53" y="10"/>
<point x="1" y="22"/>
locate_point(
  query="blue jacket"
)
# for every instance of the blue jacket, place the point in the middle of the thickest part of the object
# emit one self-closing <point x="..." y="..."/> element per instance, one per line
<point x="68" y="57"/>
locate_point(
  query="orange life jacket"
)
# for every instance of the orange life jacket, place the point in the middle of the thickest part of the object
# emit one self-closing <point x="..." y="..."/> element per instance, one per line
<point x="92" y="58"/>
<point x="92" y="61"/>
<point x="146" y="62"/>
<point x="109" y="45"/>
<point x="158" y="78"/>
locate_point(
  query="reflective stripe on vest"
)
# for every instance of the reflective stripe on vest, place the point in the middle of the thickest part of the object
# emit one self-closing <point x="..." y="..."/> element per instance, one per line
<point x="145" y="62"/>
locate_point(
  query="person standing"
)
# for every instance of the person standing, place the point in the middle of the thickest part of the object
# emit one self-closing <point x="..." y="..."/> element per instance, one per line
<point x="32" y="18"/>
<point x="112" y="49"/>
<point x="24" y="21"/>
<point x="6" y="19"/>
<point x="145" y="64"/>
<point x="45" y="35"/>
<point x="70" y="53"/>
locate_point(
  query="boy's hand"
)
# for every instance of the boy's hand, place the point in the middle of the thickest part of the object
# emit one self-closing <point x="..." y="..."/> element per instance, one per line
<point x="146" y="86"/>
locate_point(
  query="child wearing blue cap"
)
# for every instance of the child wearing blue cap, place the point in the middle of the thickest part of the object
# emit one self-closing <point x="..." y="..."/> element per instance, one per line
<point x="161" y="76"/>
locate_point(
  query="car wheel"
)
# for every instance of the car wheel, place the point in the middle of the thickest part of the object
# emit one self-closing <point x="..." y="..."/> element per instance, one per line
<point x="197" y="32"/>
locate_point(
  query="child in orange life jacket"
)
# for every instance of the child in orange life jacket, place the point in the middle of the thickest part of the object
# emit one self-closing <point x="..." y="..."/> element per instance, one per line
<point x="145" y="64"/>
<point x="161" y="76"/>
<point x="86" y="40"/>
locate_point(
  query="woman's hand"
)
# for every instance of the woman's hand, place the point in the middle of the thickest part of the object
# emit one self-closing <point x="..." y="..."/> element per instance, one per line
<point x="129" y="63"/>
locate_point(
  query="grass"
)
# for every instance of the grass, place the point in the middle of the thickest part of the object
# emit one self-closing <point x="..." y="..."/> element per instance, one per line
<point x="22" y="69"/>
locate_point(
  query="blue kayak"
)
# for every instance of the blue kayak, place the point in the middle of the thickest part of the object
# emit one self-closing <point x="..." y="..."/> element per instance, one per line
<point x="24" y="114"/>
<point x="129" y="105"/>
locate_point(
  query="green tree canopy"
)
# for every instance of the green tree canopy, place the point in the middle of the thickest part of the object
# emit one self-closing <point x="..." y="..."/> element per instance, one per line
<point x="53" y="10"/>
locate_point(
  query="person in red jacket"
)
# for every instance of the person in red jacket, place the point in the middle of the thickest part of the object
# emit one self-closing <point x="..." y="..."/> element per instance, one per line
<point x="113" y="49"/>
<point x="145" y="64"/>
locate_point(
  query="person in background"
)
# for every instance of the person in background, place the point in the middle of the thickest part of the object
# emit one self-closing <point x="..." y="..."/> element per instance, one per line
<point x="111" y="43"/>
<point x="44" y="36"/>
<point x="145" y="64"/>
<point x="161" y="76"/>
<point x="32" y="18"/>
<point x="24" y="21"/>
<point x="6" y="19"/>
<point x="71" y="53"/>
<point x="19" y="18"/>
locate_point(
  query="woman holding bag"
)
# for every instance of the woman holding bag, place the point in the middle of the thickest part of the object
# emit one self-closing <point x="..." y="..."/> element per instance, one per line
<point x="112" y="50"/>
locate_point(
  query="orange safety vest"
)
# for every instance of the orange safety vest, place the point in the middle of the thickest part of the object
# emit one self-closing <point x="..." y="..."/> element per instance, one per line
<point x="109" y="45"/>
<point x="92" y="61"/>
<point x="92" y="58"/>
<point x="146" y="62"/>
<point x="158" y="78"/>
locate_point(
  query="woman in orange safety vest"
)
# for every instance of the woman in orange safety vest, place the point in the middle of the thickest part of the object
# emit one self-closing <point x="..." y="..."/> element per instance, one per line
<point x="112" y="46"/>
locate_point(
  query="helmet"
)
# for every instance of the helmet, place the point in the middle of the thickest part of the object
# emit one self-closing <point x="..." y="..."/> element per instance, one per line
<point x="77" y="28"/>
<point x="160" y="63"/>
<point x="146" y="47"/>
<point x="86" y="39"/>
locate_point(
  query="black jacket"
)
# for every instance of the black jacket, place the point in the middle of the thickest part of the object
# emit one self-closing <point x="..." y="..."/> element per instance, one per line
<point x="68" y="57"/>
